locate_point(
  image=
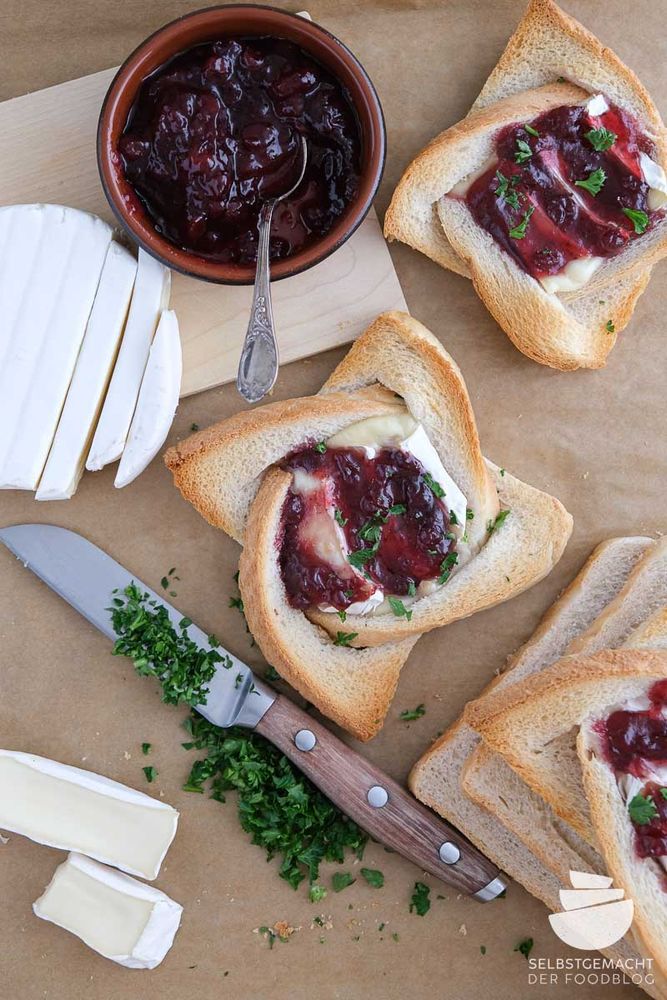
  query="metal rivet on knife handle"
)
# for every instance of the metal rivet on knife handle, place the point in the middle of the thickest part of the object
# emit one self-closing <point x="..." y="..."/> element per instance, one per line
<point x="305" y="740"/>
<point x="377" y="796"/>
<point x="449" y="853"/>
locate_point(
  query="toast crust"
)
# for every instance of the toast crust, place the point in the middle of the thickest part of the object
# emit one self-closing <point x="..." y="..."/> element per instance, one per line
<point x="547" y="710"/>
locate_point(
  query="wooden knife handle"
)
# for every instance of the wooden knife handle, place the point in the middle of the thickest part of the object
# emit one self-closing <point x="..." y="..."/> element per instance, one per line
<point x="377" y="803"/>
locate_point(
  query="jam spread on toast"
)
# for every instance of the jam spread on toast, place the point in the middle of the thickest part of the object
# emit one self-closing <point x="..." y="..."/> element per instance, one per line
<point x="565" y="187"/>
<point x="635" y="743"/>
<point x="354" y="525"/>
<point x="216" y="131"/>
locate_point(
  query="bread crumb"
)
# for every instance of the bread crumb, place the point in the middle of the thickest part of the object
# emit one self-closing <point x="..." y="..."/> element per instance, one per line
<point x="463" y="930"/>
<point x="127" y="755"/>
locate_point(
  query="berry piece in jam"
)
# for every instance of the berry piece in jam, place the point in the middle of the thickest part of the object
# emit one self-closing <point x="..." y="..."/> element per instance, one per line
<point x="216" y="131"/>
<point x="572" y="194"/>
<point x="353" y="525"/>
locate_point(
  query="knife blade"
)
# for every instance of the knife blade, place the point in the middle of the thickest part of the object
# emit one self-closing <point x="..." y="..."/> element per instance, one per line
<point x="88" y="578"/>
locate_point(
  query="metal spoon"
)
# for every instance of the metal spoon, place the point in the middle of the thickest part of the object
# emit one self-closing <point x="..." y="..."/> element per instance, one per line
<point x="258" y="364"/>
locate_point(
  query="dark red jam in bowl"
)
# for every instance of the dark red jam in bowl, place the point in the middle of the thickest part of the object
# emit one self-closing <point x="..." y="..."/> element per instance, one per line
<point x="532" y="205"/>
<point x="396" y="528"/>
<point x="216" y="131"/>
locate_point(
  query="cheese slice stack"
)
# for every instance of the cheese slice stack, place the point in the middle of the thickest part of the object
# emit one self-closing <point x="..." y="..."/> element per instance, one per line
<point x="79" y="314"/>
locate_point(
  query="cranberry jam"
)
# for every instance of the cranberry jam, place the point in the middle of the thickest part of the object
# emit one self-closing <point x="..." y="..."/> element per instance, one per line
<point x="216" y="131"/>
<point x="532" y="200"/>
<point x="631" y="741"/>
<point x="394" y="525"/>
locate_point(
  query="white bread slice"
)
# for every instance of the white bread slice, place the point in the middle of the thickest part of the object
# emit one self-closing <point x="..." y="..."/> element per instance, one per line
<point x="441" y="775"/>
<point x="490" y="781"/>
<point x="565" y="331"/>
<point x="642" y="879"/>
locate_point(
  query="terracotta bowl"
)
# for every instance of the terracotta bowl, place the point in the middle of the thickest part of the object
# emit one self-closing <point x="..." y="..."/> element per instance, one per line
<point x="209" y="25"/>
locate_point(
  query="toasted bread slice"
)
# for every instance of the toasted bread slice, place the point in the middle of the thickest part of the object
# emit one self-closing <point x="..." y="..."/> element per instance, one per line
<point x="229" y="473"/>
<point x="643" y="879"/>
<point x="220" y="469"/>
<point x="566" y="330"/>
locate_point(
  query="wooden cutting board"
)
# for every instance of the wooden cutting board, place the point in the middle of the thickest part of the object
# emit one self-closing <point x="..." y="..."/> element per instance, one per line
<point x="47" y="154"/>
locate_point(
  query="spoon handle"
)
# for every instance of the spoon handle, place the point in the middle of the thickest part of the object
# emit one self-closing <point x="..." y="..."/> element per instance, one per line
<point x="258" y="365"/>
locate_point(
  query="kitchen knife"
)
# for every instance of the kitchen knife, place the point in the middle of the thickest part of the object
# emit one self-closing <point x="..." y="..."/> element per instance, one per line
<point x="86" y="577"/>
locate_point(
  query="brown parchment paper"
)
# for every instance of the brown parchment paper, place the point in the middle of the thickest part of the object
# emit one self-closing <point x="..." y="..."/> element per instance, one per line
<point x="596" y="440"/>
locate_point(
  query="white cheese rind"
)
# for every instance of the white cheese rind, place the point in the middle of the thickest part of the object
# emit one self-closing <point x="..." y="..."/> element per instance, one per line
<point x="150" y="297"/>
<point x="68" y="453"/>
<point x="573" y="276"/>
<point x="63" y="251"/>
<point x="597" y="105"/>
<point x="76" y="810"/>
<point x="122" y="919"/>
<point x="157" y="402"/>
<point x="655" y="177"/>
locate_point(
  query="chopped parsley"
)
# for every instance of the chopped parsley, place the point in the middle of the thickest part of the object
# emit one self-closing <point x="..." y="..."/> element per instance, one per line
<point x="638" y="219"/>
<point x="446" y="566"/>
<point x="317" y="893"/>
<point x="321" y="447"/>
<point x="506" y="190"/>
<point x="339" y="519"/>
<point x="162" y="650"/>
<point x="344" y="638"/>
<point x="609" y="326"/>
<point x="271" y="674"/>
<point x="237" y="602"/>
<point x="397" y="508"/>
<point x="501" y="517"/>
<point x="167" y="581"/>
<point x="663" y="793"/>
<point x="341" y="880"/>
<point x="371" y="531"/>
<point x="519" y="231"/>
<point x="412" y="588"/>
<point x="419" y="901"/>
<point x="470" y="514"/>
<point x="359" y="558"/>
<point x="482" y="949"/>
<point x="146" y="748"/>
<point x="601" y="139"/>
<point x="151" y="774"/>
<point x="434" y="486"/>
<point x="374" y="878"/>
<point x="281" y="810"/>
<point x="194" y="427"/>
<point x="399" y="609"/>
<point x="342" y="615"/>
<point x="277" y="805"/>
<point x="594" y="182"/>
<point x="523" y="151"/>
<point x="642" y="810"/>
<point x="531" y="131"/>
<point x="410" y="714"/>
<point x="525" y="947"/>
